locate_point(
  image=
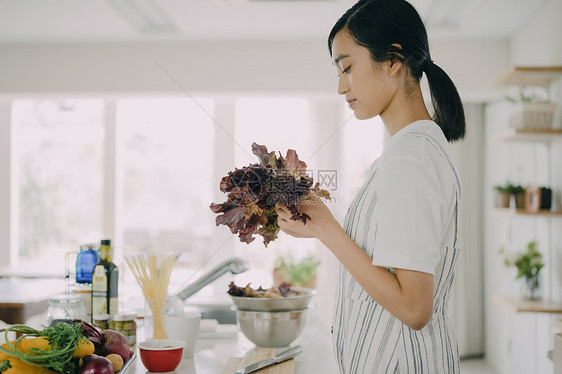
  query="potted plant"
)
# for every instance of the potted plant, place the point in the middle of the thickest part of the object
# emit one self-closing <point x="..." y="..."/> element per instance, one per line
<point x="531" y="111"/>
<point x="299" y="273"/>
<point x="529" y="265"/>
<point x="518" y="193"/>
<point x="501" y="199"/>
<point x="504" y="193"/>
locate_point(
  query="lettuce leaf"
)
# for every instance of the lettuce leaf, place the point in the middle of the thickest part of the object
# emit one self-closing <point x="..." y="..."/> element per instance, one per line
<point x="253" y="191"/>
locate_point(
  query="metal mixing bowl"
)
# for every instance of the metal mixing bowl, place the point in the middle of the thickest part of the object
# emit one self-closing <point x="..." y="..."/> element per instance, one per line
<point x="278" y="304"/>
<point x="271" y="329"/>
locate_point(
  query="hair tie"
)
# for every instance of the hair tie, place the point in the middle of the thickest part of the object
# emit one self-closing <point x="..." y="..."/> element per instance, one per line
<point x="426" y="64"/>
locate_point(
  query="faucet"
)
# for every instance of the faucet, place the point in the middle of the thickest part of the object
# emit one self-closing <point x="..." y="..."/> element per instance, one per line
<point x="235" y="265"/>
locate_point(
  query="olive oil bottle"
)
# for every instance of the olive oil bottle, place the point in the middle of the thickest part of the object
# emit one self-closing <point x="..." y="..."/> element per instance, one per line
<point x="105" y="283"/>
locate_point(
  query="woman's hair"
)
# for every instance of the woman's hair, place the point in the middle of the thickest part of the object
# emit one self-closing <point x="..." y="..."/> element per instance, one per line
<point x="393" y="30"/>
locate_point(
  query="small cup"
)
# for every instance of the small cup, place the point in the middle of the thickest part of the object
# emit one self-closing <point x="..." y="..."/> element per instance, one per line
<point x="185" y="327"/>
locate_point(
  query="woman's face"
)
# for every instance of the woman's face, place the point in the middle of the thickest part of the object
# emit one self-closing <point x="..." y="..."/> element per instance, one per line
<point x="368" y="86"/>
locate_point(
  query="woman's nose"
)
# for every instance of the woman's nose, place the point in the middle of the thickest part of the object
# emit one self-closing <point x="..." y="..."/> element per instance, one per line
<point x="342" y="85"/>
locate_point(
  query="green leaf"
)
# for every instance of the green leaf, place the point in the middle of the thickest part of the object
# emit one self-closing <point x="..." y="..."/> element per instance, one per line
<point x="5" y="365"/>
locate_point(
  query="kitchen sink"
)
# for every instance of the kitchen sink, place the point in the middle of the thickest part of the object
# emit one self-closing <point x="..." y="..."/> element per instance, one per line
<point x="222" y="312"/>
<point x="223" y="316"/>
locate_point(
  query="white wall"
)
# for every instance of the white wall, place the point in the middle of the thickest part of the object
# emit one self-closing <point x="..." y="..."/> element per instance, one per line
<point x="539" y="42"/>
<point x="518" y="343"/>
<point x="219" y="66"/>
<point x="8" y="187"/>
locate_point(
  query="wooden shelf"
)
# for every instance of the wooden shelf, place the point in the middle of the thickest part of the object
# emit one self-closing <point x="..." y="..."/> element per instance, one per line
<point x="531" y="135"/>
<point x="516" y="304"/>
<point x="531" y="76"/>
<point x="523" y="212"/>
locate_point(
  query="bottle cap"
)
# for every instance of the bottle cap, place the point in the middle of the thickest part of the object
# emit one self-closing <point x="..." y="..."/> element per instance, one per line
<point x="106" y="242"/>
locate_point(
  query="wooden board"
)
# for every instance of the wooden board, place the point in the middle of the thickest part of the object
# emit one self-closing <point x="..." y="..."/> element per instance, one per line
<point x="516" y="304"/>
<point x="236" y="363"/>
<point x="531" y="76"/>
<point x="532" y="135"/>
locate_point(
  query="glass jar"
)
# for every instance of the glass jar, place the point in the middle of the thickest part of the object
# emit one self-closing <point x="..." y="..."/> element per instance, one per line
<point x="65" y="308"/>
<point x="126" y="324"/>
<point x="101" y="321"/>
<point x="531" y="287"/>
<point x="84" y="291"/>
<point x="154" y="312"/>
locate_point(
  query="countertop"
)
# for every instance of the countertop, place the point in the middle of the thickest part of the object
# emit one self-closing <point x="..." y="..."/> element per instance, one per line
<point x="211" y="355"/>
<point x="14" y="291"/>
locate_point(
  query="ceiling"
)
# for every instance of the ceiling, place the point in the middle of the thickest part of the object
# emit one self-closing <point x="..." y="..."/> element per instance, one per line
<point x="137" y="20"/>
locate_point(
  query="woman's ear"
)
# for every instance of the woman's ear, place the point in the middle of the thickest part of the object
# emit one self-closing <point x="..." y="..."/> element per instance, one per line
<point x="394" y="67"/>
<point x="395" y="63"/>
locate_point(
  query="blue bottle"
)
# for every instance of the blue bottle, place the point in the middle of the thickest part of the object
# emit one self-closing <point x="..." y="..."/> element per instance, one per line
<point x="85" y="262"/>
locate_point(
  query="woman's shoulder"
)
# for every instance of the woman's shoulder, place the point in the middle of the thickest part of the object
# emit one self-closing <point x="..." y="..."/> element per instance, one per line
<point x="422" y="141"/>
<point x="421" y="146"/>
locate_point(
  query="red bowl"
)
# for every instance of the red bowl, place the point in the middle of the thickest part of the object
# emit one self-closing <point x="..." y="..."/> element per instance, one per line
<point x="160" y="355"/>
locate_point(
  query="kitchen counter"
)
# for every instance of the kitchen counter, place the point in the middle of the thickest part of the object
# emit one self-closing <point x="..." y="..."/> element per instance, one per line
<point x="23" y="298"/>
<point x="211" y="355"/>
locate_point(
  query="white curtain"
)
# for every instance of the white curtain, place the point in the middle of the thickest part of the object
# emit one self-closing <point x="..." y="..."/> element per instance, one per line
<point x="466" y="308"/>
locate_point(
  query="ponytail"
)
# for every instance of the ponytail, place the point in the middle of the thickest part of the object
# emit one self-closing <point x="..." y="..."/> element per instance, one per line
<point x="449" y="112"/>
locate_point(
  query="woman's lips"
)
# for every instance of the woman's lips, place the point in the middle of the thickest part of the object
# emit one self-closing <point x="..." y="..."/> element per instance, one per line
<point x="350" y="103"/>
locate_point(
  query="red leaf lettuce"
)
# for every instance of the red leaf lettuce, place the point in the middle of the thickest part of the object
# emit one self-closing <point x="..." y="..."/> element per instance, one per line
<point x="254" y="190"/>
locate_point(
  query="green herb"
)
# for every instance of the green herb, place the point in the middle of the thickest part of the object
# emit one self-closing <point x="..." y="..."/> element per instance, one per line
<point x="63" y="339"/>
<point x="528" y="264"/>
<point x="525" y="97"/>
<point x="297" y="273"/>
<point x="510" y="189"/>
<point x="5" y="365"/>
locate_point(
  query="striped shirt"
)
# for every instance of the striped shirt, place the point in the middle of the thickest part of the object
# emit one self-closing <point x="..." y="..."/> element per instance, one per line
<point x="404" y="216"/>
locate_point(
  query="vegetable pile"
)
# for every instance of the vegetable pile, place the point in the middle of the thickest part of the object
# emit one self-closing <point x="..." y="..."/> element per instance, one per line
<point x="254" y="190"/>
<point x="63" y="348"/>
<point x="284" y="290"/>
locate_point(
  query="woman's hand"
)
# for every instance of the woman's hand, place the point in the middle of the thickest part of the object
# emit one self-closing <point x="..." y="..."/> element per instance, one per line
<point x="316" y="227"/>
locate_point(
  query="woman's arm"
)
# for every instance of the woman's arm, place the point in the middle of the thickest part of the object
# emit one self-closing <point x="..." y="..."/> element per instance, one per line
<point x="408" y="294"/>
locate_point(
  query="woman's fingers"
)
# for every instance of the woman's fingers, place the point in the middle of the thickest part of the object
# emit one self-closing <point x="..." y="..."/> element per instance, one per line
<point x="281" y="209"/>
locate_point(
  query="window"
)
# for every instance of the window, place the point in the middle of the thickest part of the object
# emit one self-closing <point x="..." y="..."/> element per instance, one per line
<point x="60" y="156"/>
<point x="168" y="148"/>
<point x="165" y="160"/>
<point x="279" y="124"/>
<point x="363" y="142"/>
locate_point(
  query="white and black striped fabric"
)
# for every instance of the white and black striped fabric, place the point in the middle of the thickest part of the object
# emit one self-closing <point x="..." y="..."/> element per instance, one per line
<point x="366" y="337"/>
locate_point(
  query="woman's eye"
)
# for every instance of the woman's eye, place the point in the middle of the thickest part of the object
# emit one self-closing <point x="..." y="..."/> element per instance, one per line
<point x="345" y="71"/>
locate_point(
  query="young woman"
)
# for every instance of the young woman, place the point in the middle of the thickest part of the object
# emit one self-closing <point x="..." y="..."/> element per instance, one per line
<point x="398" y="244"/>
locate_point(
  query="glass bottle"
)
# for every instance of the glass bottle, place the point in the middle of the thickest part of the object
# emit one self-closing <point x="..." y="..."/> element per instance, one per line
<point x="105" y="283"/>
<point x="85" y="263"/>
